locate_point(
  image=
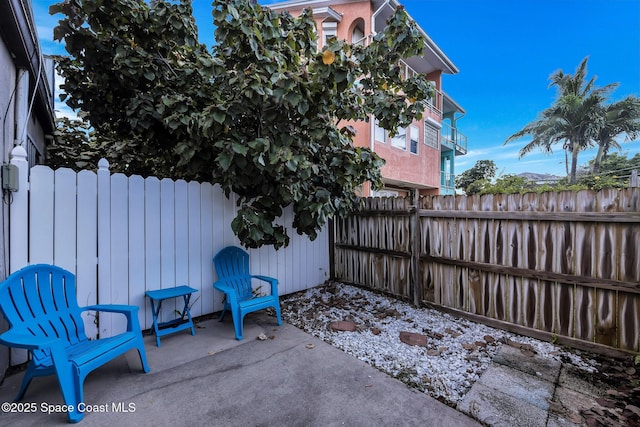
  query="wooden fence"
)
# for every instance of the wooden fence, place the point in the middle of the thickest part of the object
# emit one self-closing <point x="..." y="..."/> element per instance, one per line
<point x="558" y="266"/>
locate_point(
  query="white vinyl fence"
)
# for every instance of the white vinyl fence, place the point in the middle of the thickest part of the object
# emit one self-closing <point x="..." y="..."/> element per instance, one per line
<point x="122" y="236"/>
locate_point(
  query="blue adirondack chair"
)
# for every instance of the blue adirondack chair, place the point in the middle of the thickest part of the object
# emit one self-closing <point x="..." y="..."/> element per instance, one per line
<point x="234" y="279"/>
<point x="39" y="302"/>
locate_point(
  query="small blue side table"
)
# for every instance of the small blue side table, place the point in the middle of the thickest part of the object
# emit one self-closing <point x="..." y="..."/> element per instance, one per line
<point x="179" y="324"/>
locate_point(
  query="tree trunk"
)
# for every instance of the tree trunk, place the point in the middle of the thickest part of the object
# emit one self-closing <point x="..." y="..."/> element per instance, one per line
<point x="575" y="149"/>
<point x="598" y="159"/>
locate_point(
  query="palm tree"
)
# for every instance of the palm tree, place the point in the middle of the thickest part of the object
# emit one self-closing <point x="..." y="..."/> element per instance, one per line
<point x="574" y="119"/>
<point x="622" y="117"/>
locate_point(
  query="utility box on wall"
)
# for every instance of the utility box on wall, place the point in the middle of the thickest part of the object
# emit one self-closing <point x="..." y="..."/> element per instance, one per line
<point x="9" y="177"/>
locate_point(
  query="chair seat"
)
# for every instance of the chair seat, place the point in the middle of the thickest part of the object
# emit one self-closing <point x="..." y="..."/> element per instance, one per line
<point x="90" y="350"/>
<point x="255" y="302"/>
<point x="86" y="351"/>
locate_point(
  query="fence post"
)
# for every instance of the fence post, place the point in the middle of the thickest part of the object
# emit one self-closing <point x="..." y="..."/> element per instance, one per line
<point x="19" y="214"/>
<point x="19" y="228"/>
<point x="414" y="242"/>
<point x="633" y="182"/>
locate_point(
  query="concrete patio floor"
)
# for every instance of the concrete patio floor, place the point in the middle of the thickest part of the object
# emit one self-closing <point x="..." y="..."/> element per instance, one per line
<point x="289" y="379"/>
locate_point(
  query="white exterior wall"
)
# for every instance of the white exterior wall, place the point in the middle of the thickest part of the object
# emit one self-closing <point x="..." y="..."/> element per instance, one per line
<point x="7" y="82"/>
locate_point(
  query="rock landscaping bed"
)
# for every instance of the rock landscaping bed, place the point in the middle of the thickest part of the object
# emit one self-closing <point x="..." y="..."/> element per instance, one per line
<point x="440" y="354"/>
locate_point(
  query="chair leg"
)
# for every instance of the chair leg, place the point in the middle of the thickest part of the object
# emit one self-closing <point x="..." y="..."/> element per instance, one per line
<point x="31" y="373"/>
<point x="26" y="380"/>
<point x="77" y="416"/>
<point x="278" y="316"/>
<point x="71" y="388"/>
<point x="238" y="320"/>
<point x="143" y="355"/>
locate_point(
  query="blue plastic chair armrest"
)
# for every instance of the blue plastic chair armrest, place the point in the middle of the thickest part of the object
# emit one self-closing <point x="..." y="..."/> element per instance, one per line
<point x="29" y="342"/>
<point x="113" y="308"/>
<point x="129" y="311"/>
<point x="219" y="285"/>
<point x="266" y="279"/>
<point x="273" y="281"/>
<point x="230" y="292"/>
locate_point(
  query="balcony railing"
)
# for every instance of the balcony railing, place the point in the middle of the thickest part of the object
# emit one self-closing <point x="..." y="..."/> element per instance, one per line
<point x="453" y="138"/>
<point x="435" y="103"/>
<point x="447" y="183"/>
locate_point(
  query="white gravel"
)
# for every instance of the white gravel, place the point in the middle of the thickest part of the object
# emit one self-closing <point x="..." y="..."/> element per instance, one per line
<point x="458" y="351"/>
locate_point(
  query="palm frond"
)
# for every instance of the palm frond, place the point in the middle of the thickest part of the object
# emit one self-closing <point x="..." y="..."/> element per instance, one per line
<point x="579" y="119"/>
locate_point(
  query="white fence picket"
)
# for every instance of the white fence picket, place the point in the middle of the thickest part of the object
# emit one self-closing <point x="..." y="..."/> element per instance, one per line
<point x="319" y="254"/>
<point x="119" y="252"/>
<point x="41" y="230"/>
<point x="181" y="227"/>
<point x="137" y="245"/>
<point x="87" y="247"/>
<point x="167" y="244"/>
<point x="206" y="248"/>
<point x="122" y="236"/>
<point x="152" y="240"/>
<point x="64" y="207"/>
<point x="104" y="242"/>
<point x="194" y="217"/>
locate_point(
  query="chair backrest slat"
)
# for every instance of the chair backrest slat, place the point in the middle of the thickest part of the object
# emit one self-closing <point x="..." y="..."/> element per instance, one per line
<point x="27" y="293"/>
<point x="232" y="265"/>
<point x="33" y="305"/>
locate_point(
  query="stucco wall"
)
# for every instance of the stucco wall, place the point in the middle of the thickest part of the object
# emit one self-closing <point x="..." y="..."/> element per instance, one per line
<point x="415" y="170"/>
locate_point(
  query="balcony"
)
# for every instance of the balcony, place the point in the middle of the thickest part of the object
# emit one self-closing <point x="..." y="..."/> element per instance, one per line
<point x="447" y="183"/>
<point x="434" y="104"/>
<point x="453" y="139"/>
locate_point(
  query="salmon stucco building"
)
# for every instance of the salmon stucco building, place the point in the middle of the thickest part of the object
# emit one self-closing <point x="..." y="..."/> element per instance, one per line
<point x="422" y="156"/>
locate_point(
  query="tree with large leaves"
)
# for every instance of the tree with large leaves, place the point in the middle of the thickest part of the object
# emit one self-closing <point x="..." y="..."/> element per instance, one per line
<point x="265" y="114"/>
<point x="574" y="119"/>
<point x="473" y="180"/>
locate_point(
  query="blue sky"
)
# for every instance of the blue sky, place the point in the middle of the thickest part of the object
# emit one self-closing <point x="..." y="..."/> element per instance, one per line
<point x="505" y="51"/>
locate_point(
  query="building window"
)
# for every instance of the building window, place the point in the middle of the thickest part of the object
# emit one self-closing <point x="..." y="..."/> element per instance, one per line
<point x="379" y="132"/>
<point x="431" y="136"/>
<point x="414" y="137"/>
<point x="329" y="31"/>
<point x="400" y="140"/>
<point x="385" y="193"/>
<point x="431" y="100"/>
<point x="357" y="37"/>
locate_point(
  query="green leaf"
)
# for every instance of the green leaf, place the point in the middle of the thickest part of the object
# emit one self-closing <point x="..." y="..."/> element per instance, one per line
<point x="224" y="160"/>
<point x="239" y="148"/>
<point x="303" y="107"/>
<point x="219" y="116"/>
<point x="234" y="12"/>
